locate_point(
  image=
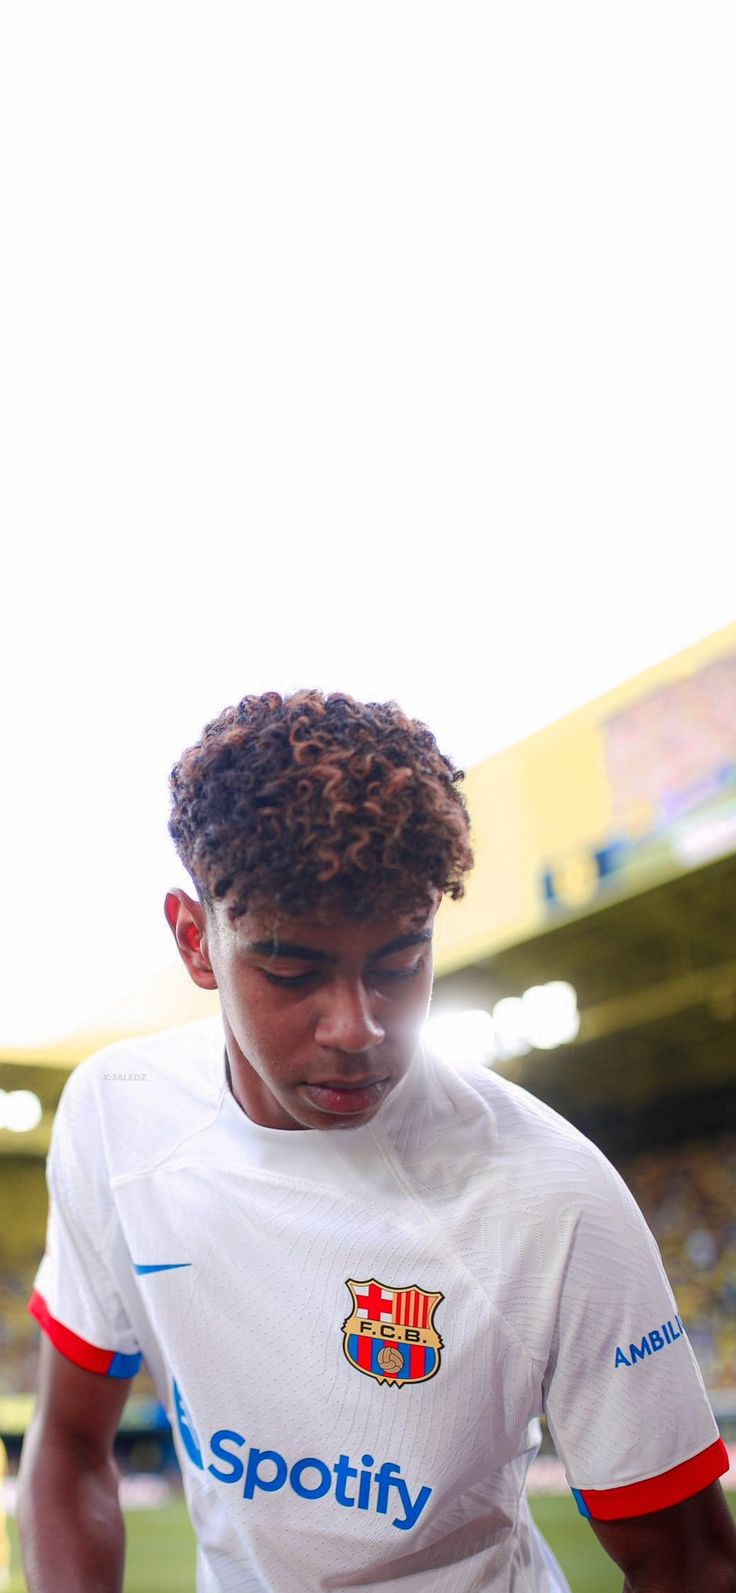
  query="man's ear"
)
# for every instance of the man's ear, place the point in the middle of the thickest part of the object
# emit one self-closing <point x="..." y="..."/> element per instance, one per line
<point x="188" y="924"/>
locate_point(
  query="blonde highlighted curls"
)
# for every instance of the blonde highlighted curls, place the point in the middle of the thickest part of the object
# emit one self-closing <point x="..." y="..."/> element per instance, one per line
<point x="309" y="804"/>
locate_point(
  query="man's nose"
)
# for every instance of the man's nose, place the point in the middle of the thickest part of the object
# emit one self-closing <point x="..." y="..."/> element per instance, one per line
<point x="347" y="1022"/>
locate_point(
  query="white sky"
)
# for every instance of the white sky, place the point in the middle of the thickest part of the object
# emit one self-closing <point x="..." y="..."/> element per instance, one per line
<point x="387" y="349"/>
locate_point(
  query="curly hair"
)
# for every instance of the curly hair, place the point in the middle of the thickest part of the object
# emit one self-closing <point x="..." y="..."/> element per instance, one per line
<point x="311" y="805"/>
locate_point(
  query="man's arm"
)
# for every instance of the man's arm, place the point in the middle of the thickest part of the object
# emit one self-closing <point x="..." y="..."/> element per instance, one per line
<point x="69" y="1517"/>
<point x="689" y="1548"/>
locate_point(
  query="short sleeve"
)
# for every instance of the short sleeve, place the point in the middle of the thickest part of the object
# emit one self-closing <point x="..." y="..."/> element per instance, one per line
<point x="624" y="1398"/>
<point x="75" y="1298"/>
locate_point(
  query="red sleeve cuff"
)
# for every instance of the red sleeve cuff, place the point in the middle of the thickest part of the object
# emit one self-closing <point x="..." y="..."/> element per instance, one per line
<point x="656" y="1493"/>
<point x="110" y="1363"/>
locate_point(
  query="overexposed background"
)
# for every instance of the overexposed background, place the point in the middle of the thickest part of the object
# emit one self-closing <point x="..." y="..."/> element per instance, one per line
<point x="381" y="349"/>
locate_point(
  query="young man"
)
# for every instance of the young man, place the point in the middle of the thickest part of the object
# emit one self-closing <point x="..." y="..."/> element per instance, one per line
<point x="358" y="1277"/>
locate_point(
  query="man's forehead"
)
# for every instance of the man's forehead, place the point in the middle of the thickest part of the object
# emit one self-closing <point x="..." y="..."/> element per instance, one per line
<point x="329" y="928"/>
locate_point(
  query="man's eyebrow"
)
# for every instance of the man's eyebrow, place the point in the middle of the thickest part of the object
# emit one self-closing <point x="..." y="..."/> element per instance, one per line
<point x="419" y="937"/>
<point x="291" y="948"/>
<point x="288" y="948"/>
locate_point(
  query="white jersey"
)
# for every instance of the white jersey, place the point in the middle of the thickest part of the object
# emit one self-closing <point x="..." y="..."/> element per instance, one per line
<point x="355" y="1331"/>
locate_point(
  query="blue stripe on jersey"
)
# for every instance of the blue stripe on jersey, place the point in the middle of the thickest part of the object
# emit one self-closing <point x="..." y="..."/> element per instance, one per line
<point x="124" y="1365"/>
<point x="160" y="1266"/>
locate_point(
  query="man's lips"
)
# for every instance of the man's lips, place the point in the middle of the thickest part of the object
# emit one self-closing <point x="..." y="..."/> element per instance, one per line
<point x="343" y="1097"/>
<point x="346" y="1084"/>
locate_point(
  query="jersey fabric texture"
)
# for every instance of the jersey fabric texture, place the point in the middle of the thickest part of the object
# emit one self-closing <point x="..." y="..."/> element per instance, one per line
<point x="355" y="1331"/>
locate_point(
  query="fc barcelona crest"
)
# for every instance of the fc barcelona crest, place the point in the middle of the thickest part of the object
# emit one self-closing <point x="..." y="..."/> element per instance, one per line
<point x="390" y="1333"/>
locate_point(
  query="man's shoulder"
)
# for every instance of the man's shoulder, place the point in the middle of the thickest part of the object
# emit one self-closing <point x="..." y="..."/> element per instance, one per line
<point x="503" y="1130"/>
<point x="186" y="1056"/>
<point x="142" y="1094"/>
<point x="480" y="1094"/>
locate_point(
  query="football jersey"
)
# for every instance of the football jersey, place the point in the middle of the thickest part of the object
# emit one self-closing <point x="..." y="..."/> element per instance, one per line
<point x="355" y="1331"/>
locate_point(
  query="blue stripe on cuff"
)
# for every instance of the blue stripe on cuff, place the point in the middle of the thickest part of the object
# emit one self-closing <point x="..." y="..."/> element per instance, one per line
<point x="124" y="1365"/>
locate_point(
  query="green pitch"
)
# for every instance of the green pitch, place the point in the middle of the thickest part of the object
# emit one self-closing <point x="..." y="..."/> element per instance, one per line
<point x="574" y="1544"/>
<point x="160" y="1556"/>
<point x="159" y="1552"/>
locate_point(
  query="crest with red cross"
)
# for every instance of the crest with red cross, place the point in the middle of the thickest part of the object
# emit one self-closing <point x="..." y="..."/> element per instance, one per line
<point x="390" y="1333"/>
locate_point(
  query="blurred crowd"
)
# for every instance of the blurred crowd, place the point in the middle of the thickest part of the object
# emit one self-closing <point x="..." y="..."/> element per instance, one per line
<point x="686" y="1192"/>
<point x="688" y="1196"/>
<point x="18" y="1331"/>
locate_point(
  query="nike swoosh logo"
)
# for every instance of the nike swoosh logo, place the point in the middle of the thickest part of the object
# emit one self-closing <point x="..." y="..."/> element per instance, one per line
<point x="163" y="1266"/>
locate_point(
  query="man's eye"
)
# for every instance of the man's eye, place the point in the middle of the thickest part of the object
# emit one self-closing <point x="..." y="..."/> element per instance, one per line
<point x="403" y="973"/>
<point x="381" y="975"/>
<point x="289" y="979"/>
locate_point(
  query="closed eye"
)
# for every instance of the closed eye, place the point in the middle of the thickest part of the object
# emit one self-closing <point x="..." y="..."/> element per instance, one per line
<point x="289" y="979"/>
<point x="403" y="973"/>
<point x="379" y="976"/>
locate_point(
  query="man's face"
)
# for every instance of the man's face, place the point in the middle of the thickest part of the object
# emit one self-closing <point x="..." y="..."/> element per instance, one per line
<point x="322" y="1016"/>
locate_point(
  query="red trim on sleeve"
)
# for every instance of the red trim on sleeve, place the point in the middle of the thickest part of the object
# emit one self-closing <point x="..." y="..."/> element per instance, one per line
<point x="69" y="1344"/>
<point x="657" y="1493"/>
